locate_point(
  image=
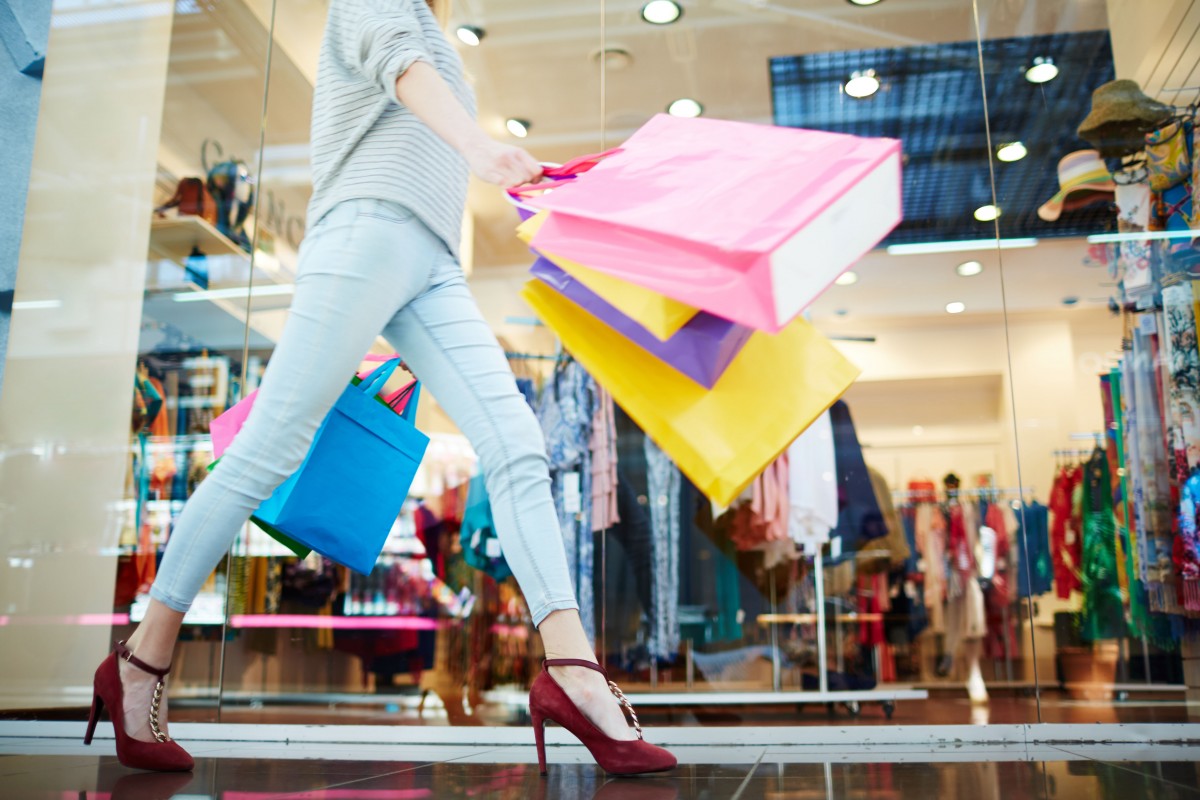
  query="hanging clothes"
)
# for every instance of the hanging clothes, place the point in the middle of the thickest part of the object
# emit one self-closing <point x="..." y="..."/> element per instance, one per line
<point x="1103" y="615"/>
<point x="812" y="484"/>
<point x="1065" y="540"/>
<point x="1183" y="375"/>
<point x="1035" y="576"/>
<point x="860" y="518"/>
<point x="1001" y="637"/>
<point x="566" y="412"/>
<point x="930" y="532"/>
<point x="664" y="487"/>
<point x="1148" y="457"/>
<point x="893" y="544"/>
<point x="605" y="511"/>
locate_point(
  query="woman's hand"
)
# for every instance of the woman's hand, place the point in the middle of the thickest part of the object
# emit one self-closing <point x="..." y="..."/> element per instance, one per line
<point x="502" y="164"/>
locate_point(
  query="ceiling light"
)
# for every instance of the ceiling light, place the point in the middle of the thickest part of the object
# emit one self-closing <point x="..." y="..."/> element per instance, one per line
<point x="847" y="279"/>
<point x="969" y="269"/>
<point x="685" y="107"/>
<point x="1043" y="70"/>
<point x="863" y="2"/>
<point x="661" y="12"/>
<point x="470" y="35"/>
<point x="988" y="213"/>
<point x="518" y="127"/>
<point x="1013" y="151"/>
<point x="955" y="308"/>
<point x="962" y="246"/>
<point x="862" y="84"/>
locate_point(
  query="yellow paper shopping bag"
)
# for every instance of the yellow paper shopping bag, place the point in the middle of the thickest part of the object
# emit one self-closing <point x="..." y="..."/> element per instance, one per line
<point x="660" y="315"/>
<point x="723" y="437"/>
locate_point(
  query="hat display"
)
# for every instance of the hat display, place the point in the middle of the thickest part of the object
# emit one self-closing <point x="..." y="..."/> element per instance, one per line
<point x="1122" y="114"/>
<point x="1083" y="179"/>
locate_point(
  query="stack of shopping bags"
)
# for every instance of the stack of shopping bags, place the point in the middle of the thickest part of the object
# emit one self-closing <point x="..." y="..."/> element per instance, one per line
<point x="675" y="269"/>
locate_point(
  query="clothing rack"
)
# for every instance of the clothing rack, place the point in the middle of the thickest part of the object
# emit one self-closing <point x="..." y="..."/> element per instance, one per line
<point x="529" y="357"/>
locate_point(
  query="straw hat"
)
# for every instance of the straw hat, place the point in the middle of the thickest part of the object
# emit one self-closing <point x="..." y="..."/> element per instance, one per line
<point x="1121" y="115"/>
<point x="1083" y="179"/>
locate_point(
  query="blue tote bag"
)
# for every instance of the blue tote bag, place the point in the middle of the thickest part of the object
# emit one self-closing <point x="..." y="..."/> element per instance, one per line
<point x="347" y="493"/>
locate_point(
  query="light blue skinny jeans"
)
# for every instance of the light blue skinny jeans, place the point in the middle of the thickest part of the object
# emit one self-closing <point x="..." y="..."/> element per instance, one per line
<point x="368" y="267"/>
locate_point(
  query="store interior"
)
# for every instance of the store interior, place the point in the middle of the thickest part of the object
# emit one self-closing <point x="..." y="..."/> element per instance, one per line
<point x="989" y="345"/>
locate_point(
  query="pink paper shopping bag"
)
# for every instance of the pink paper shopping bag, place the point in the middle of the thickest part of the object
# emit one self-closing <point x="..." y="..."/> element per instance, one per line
<point x="748" y="222"/>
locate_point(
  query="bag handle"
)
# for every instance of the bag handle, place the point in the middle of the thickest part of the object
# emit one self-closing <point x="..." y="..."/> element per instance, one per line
<point x="373" y="383"/>
<point x="562" y="174"/>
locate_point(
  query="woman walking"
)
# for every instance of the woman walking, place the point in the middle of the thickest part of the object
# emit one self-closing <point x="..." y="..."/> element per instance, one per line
<point x="393" y="140"/>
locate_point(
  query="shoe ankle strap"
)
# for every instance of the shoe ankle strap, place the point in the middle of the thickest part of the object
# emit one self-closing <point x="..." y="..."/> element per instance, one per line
<point x="124" y="653"/>
<point x="574" y="662"/>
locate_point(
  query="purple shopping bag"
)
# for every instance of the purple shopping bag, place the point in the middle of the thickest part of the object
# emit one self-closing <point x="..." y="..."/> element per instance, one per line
<point x="702" y="349"/>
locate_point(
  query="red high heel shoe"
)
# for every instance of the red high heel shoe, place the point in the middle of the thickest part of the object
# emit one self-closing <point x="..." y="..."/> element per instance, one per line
<point x="163" y="755"/>
<point x="548" y="702"/>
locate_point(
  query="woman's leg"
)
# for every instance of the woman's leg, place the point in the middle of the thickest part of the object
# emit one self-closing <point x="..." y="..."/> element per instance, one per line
<point x="349" y="286"/>
<point x="447" y="343"/>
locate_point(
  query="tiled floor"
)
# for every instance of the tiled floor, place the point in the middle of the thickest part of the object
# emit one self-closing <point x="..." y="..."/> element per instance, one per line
<point x="64" y="770"/>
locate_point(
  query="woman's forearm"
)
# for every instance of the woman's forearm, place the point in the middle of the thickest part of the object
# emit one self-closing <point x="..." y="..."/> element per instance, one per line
<point x="430" y="98"/>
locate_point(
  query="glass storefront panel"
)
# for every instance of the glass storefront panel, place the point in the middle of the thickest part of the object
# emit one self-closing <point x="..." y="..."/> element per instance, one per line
<point x="924" y="546"/>
<point x="128" y="332"/>
<point x="1093" y="181"/>
<point x="923" y="445"/>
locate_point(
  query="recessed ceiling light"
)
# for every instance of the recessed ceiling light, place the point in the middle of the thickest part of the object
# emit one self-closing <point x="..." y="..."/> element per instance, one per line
<point x="685" y="107"/>
<point x="1013" y="151"/>
<point x="987" y="213"/>
<point x="470" y="35"/>
<point x="661" y="12"/>
<point x="847" y="279"/>
<point x="969" y="269"/>
<point x="518" y="127"/>
<point x="863" y="83"/>
<point x="863" y="2"/>
<point x="955" y="308"/>
<point x="1043" y="70"/>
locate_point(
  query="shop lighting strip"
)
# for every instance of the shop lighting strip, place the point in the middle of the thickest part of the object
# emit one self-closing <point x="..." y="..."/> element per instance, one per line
<point x="963" y="246"/>
<point x="1144" y="236"/>
<point x="236" y="293"/>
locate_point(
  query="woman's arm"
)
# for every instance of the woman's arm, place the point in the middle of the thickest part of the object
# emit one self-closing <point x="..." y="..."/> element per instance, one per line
<point x="423" y="91"/>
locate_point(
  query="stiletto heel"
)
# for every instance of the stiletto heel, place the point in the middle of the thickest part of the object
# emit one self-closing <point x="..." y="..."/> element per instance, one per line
<point x="163" y="754"/>
<point x="93" y="718"/>
<point x="548" y="701"/>
<point x="539" y="738"/>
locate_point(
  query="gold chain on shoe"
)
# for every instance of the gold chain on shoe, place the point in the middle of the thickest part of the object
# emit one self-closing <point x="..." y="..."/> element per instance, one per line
<point x="628" y="706"/>
<point x="154" y="704"/>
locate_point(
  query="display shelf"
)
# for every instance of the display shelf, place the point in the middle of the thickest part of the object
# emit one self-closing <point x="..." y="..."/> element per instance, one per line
<point x="173" y="238"/>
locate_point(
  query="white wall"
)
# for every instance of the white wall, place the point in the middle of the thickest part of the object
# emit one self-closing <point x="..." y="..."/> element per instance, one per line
<point x="65" y="409"/>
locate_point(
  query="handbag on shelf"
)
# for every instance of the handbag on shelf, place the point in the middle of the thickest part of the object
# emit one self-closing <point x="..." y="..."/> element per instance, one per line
<point x="192" y="199"/>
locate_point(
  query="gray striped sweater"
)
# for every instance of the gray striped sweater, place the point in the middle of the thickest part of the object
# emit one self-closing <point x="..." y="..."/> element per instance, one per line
<point x="365" y="143"/>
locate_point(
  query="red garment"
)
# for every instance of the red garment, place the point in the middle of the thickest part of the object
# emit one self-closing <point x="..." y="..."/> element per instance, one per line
<point x="1001" y="638"/>
<point x="1066" y="535"/>
<point x="962" y="558"/>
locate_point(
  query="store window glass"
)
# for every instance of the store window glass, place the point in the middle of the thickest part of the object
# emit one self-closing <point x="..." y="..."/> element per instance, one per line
<point x="1091" y="148"/>
<point x="886" y="592"/>
<point x="129" y="332"/>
